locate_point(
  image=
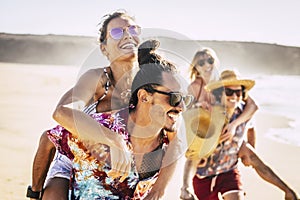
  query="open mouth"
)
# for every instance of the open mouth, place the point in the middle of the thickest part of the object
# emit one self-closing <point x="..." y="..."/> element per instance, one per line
<point x="209" y="69"/>
<point x="173" y="115"/>
<point x="128" y="46"/>
<point x="232" y="100"/>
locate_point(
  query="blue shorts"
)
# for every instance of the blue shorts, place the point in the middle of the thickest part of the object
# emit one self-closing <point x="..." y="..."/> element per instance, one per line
<point x="61" y="167"/>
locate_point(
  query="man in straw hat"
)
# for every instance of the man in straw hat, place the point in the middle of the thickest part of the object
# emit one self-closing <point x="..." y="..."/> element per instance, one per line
<point x="216" y="173"/>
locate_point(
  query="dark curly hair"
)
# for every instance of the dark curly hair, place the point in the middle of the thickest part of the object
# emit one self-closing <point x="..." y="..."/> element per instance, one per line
<point x="106" y="19"/>
<point x="152" y="66"/>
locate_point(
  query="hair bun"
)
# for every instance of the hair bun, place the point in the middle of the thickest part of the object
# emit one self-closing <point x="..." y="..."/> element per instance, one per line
<point x="146" y="52"/>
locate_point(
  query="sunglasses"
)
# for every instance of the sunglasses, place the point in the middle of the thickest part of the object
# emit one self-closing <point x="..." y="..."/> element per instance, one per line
<point x="118" y="33"/>
<point x="176" y="98"/>
<point x="229" y="92"/>
<point x="210" y="61"/>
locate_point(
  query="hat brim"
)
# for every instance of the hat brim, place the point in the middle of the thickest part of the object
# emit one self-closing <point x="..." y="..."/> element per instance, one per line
<point x="247" y="83"/>
<point x="203" y="129"/>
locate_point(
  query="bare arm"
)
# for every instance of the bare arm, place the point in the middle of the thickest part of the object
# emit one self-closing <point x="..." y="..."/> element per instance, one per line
<point x="68" y="111"/>
<point x="68" y="114"/>
<point x="41" y="163"/>
<point x="251" y="136"/>
<point x="189" y="172"/>
<point x="246" y="115"/>
<point x="45" y="152"/>
<point x="250" y="158"/>
<point x="248" y="111"/>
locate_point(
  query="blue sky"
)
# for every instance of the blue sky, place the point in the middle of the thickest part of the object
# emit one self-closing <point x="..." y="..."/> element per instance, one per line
<point x="231" y="20"/>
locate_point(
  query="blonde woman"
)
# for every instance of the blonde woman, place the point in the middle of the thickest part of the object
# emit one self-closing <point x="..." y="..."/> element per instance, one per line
<point x="203" y="70"/>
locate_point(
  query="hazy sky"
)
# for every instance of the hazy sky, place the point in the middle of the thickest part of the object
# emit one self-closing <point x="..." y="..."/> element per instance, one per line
<point x="270" y="21"/>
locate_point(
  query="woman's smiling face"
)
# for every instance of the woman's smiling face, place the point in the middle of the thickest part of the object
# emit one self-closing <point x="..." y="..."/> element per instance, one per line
<point x="126" y="46"/>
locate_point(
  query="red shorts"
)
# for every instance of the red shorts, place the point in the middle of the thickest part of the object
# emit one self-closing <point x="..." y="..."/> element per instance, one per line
<point x="209" y="187"/>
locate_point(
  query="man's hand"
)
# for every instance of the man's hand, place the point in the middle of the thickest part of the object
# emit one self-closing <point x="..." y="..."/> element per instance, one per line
<point x="155" y="195"/>
<point x="290" y="195"/>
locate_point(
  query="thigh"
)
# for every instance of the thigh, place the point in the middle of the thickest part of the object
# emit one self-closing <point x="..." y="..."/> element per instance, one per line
<point x="235" y="195"/>
<point x="58" y="179"/>
<point x="57" y="188"/>
<point x="202" y="189"/>
<point x="61" y="167"/>
<point x="230" y="186"/>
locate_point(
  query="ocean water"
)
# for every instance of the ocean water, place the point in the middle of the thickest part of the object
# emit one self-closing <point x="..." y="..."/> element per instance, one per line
<point x="280" y="95"/>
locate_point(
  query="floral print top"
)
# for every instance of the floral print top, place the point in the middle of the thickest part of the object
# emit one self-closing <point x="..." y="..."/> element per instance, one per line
<point x="225" y="156"/>
<point x="90" y="167"/>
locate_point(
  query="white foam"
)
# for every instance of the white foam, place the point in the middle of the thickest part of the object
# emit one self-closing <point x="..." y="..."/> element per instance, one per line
<point x="280" y="95"/>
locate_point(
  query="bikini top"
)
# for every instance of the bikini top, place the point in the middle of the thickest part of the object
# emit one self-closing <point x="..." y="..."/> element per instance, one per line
<point x="92" y="107"/>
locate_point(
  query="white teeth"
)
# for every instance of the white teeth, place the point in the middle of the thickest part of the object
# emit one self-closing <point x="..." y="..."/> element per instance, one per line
<point x="174" y="116"/>
<point x="128" y="46"/>
<point x="209" y="70"/>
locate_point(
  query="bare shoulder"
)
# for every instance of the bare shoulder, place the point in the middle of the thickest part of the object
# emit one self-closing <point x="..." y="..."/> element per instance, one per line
<point x="196" y="85"/>
<point x="92" y="79"/>
<point x="197" y="82"/>
<point x="94" y="74"/>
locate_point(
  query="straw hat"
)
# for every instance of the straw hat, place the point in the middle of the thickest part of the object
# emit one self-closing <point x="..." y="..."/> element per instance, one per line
<point x="203" y="129"/>
<point x="228" y="78"/>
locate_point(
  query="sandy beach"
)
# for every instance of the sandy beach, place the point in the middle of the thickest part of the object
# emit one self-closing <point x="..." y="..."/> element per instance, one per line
<point x="29" y="94"/>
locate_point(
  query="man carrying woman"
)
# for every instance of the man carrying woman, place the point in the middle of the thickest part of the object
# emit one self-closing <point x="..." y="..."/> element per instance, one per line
<point x="97" y="90"/>
<point x="217" y="176"/>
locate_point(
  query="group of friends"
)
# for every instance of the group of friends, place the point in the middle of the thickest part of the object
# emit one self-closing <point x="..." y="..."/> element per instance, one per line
<point x="121" y="130"/>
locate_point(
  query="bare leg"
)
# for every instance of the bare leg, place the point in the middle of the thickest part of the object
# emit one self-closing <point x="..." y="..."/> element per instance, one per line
<point x="234" y="196"/>
<point x="188" y="174"/>
<point x="57" y="188"/>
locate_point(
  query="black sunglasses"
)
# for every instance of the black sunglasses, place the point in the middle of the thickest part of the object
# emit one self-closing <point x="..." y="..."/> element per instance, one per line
<point x="210" y="61"/>
<point x="229" y="92"/>
<point x="176" y="97"/>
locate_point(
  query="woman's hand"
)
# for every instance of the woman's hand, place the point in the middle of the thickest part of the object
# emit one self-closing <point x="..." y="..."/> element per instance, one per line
<point x="121" y="160"/>
<point x="228" y="132"/>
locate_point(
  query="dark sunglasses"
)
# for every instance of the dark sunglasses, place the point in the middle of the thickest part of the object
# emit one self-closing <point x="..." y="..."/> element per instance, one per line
<point x="176" y="98"/>
<point x="210" y="61"/>
<point x="118" y="33"/>
<point x="229" y="92"/>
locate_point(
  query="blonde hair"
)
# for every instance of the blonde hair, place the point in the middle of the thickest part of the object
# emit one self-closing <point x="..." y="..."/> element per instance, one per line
<point x="204" y="51"/>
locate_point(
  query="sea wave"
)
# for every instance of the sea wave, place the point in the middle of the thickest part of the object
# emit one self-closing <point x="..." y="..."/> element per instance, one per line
<point x="280" y="95"/>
